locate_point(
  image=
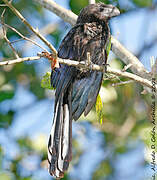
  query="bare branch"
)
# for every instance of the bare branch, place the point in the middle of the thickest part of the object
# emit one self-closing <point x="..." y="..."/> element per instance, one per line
<point x="91" y="1"/>
<point x="127" y="67"/>
<point x="23" y="37"/>
<point x="3" y="5"/>
<point x="122" y="83"/>
<point x="35" y="31"/>
<point x="128" y="58"/>
<point x="19" y="60"/>
<point x="44" y="31"/>
<point x="63" y="13"/>
<point x="134" y="77"/>
<point x="5" y="35"/>
<point x="83" y="65"/>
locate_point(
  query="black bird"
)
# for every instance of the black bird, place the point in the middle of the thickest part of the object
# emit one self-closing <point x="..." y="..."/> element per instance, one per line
<point x="77" y="90"/>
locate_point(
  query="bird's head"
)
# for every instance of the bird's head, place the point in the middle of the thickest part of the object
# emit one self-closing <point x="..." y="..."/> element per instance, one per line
<point x="97" y="12"/>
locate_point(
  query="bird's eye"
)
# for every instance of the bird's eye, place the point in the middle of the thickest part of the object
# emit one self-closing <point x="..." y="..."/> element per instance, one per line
<point x="101" y="9"/>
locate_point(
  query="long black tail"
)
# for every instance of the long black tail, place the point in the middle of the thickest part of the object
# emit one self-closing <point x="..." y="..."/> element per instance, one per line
<point x="60" y="141"/>
<point x="73" y="97"/>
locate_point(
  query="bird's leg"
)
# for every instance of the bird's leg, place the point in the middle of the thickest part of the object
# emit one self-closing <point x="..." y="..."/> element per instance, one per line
<point x="105" y="61"/>
<point x="52" y="58"/>
<point x="89" y="62"/>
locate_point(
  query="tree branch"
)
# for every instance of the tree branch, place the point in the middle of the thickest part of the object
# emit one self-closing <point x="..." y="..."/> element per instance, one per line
<point x="35" y="31"/>
<point x="117" y="48"/>
<point x="19" y="60"/>
<point x="5" y="35"/>
<point x="127" y="57"/>
<point x="122" y="83"/>
<point x="63" y="13"/>
<point x="24" y="37"/>
<point x="91" y="1"/>
<point x="70" y="17"/>
<point x="83" y="65"/>
<point x="47" y="29"/>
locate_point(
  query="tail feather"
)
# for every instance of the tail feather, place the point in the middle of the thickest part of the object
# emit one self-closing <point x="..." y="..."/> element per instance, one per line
<point x="60" y="145"/>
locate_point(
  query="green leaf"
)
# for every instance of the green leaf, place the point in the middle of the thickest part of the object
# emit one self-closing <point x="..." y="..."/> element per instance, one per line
<point x="143" y="3"/>
<point x="6" y="119"/>
<point x="108" y="48"/>
<point x="46" y="81"/>
<point x="76" y="6"/>
<point x="6" y="95"/>
<point x="99" y="107"/>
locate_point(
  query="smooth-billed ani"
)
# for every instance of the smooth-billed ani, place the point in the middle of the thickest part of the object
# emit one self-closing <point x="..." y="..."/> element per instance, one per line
<point x="76" y="90"/>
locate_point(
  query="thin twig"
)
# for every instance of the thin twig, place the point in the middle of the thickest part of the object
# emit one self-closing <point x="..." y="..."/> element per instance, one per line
<point x="83" y="65"/>
<point x="5" y="35"/>
<point x="3" y="5"/>
<point x="17" y="40"/>
<point x="19" y="60"/>
<point x="24" y="37"/>
<point x="122" y="83"/>
<point x="49" y="28"/>
<point x="126" y="67"/>
<point x="134" y="77"/>
<point x="35" y="31"/>
<point x="91" y="1"/>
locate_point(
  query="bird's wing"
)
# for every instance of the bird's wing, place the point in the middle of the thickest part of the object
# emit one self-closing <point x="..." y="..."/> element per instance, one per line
<point x="63" y="76"/>
<point x="80" y="40"/>
<point x="85" y="92"/>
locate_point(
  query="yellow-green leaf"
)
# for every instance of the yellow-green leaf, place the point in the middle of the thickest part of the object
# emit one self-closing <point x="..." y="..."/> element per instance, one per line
<point x="99" y="107"/>
<point x="46" y="81"/>
<point x="108" y="47"/>
<point x="143" y="3"/>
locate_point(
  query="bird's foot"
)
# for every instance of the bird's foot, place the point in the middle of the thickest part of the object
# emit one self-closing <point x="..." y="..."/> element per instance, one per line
<point x="52" y="58"/>
<point x="91" y="67"/>
<point x="105" y="67"/>
<point x="88" y="62"/>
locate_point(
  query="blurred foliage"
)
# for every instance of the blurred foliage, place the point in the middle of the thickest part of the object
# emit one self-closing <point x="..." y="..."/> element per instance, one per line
<point x="46" y="81"/>
<point x="6" y="95"/>
<point x="76" y="6"/>
<point x="123" y="110"/>
<point x="6" y="119"/>
<point x="99" y="108"/>
<point x="142" y="3"/>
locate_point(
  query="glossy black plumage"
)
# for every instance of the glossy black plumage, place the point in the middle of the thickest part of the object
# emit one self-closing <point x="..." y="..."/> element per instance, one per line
<point x="77" y="90"/>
